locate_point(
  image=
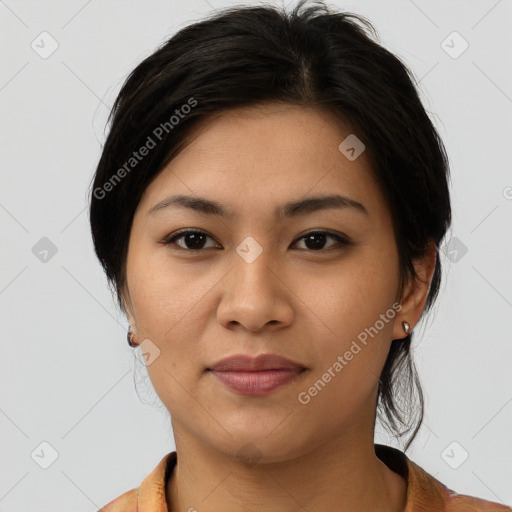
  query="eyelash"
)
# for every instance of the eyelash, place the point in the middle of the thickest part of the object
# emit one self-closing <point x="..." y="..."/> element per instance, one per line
<point x="343" y="240"/>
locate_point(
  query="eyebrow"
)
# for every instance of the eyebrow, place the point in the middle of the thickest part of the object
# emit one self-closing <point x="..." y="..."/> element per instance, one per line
<point x="291" y="209"/>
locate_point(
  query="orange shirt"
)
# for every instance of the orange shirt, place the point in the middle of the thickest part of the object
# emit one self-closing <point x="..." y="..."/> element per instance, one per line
<point x="424" y="492"/>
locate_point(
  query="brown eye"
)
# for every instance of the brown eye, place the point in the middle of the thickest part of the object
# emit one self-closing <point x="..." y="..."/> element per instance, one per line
<point x="192" y="240"/>
<point x="315" y="240"/>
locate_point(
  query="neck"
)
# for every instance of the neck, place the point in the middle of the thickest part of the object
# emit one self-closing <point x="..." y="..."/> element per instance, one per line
<point x="344" y="475"/>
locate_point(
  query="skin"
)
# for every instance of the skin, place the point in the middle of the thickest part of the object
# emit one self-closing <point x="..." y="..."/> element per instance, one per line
<point x="292" y="300"/>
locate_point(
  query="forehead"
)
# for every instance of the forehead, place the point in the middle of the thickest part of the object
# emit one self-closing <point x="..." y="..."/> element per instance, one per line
<point x="265" y="156"/>
<point x="276" y="126"/>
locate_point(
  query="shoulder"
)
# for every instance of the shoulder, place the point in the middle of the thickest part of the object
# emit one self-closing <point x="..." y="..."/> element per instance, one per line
<point x="459" y="503"/>
<point x="427" y="488"/>
<point x="127" y="502"/>
<point x="150" y="495"/>
<point x="425" y="493"/>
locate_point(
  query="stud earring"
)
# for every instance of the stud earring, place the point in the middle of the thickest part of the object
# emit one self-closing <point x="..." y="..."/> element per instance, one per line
<point x="406" y="326"/>
<point x="131" y="338"/>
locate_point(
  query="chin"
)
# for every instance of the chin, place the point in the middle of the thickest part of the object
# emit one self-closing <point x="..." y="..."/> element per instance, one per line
<point x="261" y="448"/>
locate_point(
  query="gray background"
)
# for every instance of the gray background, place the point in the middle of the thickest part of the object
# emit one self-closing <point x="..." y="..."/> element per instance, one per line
<point x="67" y="375"/>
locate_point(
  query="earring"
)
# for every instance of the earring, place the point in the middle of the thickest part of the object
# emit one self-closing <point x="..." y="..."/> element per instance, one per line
<point x="131" y="338"/>
<point x="406" y="326"/>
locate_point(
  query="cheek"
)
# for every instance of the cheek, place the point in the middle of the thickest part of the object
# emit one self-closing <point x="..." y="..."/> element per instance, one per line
<point x="348" y="366"/>
<point x="344" y="300"/>
<point x="169" y="313"/>
<point x="353" y="316"/>
<point x="333" y="400"/>
<point x="165" y="294"/>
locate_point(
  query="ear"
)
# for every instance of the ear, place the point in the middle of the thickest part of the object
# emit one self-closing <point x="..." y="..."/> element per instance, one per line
<point x="416" y="292"/>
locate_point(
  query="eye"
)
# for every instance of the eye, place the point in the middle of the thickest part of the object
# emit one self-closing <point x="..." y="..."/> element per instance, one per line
<point x="193" y="240"/>
<point x="314" y="240"/>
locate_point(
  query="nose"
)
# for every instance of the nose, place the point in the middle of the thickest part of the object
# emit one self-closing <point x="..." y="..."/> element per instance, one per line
<point x="255" y="296"/>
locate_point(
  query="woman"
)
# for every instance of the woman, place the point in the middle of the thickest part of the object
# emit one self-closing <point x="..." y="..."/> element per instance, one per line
<point x="269" y="207"/>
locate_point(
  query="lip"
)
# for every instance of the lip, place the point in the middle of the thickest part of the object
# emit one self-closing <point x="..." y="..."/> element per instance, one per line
<point x="245" y="363"/>
<point x="256" y="376"/>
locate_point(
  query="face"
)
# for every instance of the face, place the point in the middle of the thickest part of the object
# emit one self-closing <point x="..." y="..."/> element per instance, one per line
<point x="316" y="285"/>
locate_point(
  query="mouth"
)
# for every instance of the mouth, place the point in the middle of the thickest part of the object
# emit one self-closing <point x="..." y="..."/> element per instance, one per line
<point x="246" y="363"/>
<point x="256" y="383"/>
<point x="256" y="376"/>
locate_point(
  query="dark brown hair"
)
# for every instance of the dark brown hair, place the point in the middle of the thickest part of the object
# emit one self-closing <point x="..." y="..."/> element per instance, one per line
<point x="312" y="56"/>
